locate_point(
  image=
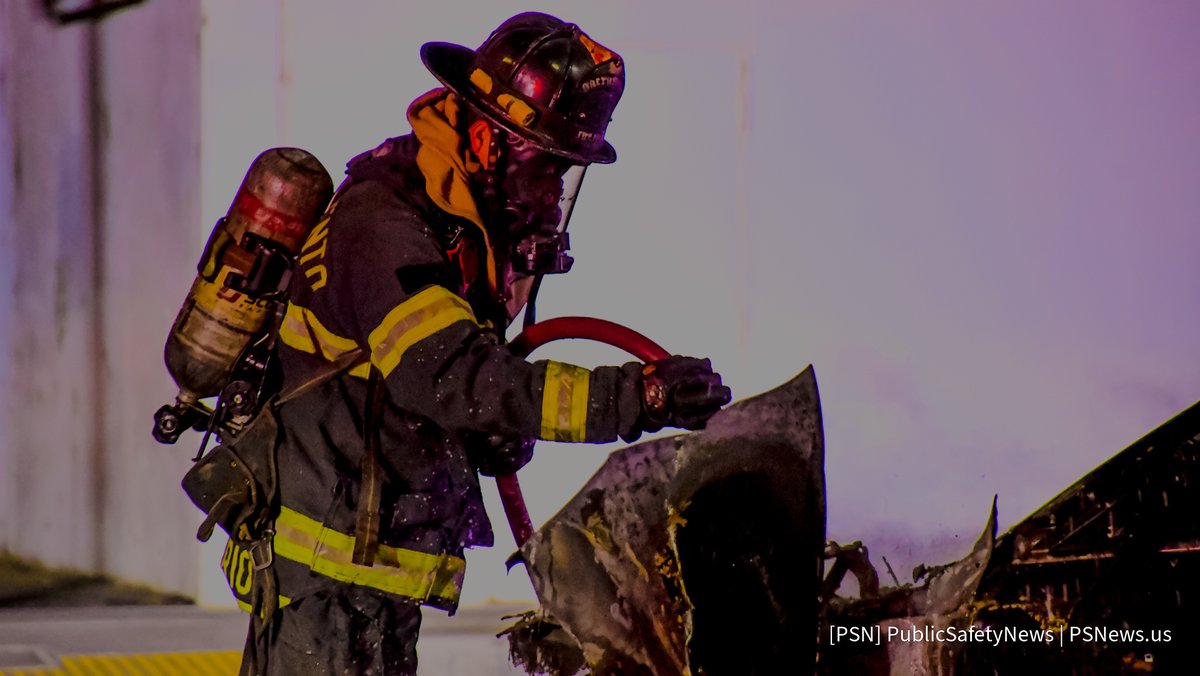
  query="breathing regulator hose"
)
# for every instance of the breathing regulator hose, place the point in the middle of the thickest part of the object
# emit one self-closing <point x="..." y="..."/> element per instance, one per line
<point x="560" y="328"/>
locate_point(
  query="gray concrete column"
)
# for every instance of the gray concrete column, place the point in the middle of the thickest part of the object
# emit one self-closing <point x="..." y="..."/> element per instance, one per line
<point x="150" y="58"/>
<point x="99" y="211"/>
<point x="48" y="445"/>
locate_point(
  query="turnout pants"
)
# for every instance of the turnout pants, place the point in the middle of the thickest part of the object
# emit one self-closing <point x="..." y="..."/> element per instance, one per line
<point x="344" y="631"/>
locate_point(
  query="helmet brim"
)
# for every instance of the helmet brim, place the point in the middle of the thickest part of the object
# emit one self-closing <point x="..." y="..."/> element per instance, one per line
<point x="451" y="65"/>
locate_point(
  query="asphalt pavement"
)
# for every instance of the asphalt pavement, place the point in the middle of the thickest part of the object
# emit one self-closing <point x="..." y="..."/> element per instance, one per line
<point x="186" y="640"/>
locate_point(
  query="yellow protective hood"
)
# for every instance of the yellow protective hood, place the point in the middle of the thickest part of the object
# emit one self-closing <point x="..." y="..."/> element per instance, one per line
<point x="446" y="166"/>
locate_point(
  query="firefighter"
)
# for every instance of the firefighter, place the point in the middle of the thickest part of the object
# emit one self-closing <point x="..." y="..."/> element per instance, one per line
<point x="425" y="254"/>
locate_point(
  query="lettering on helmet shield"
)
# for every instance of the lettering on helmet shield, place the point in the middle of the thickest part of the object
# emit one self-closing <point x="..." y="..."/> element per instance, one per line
<point x="599" y="81"/>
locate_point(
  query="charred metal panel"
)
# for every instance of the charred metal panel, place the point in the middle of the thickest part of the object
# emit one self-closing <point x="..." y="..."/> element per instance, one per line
<point x="1118" y="550"/>
<point x="1131" y="504"/>
<point x="1108" y="571"/>
<point x="941" y="603"/>
<point x="679" y="548"/>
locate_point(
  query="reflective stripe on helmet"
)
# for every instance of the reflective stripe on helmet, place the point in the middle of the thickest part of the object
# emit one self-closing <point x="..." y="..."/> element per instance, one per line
<point x="516" y="109"/>
<point x="482" y="80"/>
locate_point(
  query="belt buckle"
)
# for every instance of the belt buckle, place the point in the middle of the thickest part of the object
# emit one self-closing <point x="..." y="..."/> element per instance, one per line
<point x="262" y="553"/>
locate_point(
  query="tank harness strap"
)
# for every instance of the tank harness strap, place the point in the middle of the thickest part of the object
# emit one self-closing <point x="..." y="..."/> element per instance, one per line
<point x="366" y="528"/>
<point x="335" y="368"/>
<point x="367" y="517"/>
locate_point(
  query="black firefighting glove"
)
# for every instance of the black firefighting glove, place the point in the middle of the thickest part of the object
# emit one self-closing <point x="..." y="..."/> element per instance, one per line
<point x="494" y="455"/>
<point x="680" y="392"/>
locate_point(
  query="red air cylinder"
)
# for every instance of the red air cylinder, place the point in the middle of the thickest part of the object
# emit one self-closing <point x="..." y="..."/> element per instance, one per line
<point x="245" y="268"/>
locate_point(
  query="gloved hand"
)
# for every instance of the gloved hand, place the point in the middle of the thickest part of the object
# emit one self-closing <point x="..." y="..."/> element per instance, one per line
<point x="493" y="455"/>
<point x="680" y="392"/>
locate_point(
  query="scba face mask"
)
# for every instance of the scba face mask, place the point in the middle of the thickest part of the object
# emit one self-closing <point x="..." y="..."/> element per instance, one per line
<point x="527" y="194"/>
<point x="533" y="192"/>
<point x="541" y="206"/>
<point x="540" y="248"/>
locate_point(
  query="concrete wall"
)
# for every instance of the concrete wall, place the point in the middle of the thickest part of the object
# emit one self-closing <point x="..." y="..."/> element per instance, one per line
<point x="99" y="205"/>
<point x="49" y="376"/>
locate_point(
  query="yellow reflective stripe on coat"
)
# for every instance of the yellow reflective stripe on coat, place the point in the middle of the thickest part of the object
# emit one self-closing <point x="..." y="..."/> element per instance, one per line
<point x="294" y="332"/>
<point x="565" y="402"/>
<point x="301" y="330"/>
<point x="403" y="572"/>
<point x="247" y="608"/>
<point x="412" y="321"/>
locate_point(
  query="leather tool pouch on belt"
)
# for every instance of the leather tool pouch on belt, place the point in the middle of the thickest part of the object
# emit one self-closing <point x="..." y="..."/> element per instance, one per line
<point x="237" y="485"/>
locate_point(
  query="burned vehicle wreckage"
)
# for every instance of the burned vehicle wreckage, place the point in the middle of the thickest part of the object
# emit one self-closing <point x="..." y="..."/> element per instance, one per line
<point x="705" y="553"/>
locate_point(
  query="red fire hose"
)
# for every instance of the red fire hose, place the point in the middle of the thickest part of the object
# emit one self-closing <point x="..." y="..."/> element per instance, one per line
<point x="533" y="337"/>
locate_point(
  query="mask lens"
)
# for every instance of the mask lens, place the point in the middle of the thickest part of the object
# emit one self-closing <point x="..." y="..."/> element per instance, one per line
<point x="541" y="189"/>
<point x="572" y="180"/>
